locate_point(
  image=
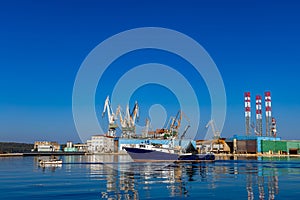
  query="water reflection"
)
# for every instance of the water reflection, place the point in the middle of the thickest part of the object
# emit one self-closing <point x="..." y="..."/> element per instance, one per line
<point x="120" y="178"/>
<point x="127" y="180"/>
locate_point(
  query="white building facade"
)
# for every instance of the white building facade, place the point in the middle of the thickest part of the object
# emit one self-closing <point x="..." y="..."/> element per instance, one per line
<point x="101" y="144"/>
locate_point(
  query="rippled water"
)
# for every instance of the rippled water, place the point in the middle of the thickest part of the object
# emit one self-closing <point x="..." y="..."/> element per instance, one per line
<point x="119" y="178"/>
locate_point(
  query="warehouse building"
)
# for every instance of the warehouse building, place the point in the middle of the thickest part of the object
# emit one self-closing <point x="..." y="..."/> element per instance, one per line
<point x="264" y="145"/>
<point x="100" y="144"/>
<point x="46" y="146"/>
<point x="288" y="147"/>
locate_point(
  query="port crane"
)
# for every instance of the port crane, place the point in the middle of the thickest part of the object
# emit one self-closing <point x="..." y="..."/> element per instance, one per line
<point x="174" y="124"/>
<point x="119" y="114"/>
<point x="183" y="134"/>
<point x="124" y="123"/>
<point x="134" y="116"/>
<point x="215" y="131"/>
<point x="217" y="144"/>
<point x="111" y="118"/>
<point x="146" y="129"/>
<point x="128" y="122"/>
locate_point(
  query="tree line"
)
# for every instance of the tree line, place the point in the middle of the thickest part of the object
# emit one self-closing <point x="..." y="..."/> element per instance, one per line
<point x="13" y="147"/>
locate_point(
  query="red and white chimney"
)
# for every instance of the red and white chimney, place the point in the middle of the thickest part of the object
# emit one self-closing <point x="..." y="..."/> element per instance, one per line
<point x="268" y="112"/>
<point x="258" y="128"/>
<point x="247" y="111"/>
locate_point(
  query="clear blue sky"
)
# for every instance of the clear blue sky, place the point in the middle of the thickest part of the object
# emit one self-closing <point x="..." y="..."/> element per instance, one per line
<point x="255" y="45"/>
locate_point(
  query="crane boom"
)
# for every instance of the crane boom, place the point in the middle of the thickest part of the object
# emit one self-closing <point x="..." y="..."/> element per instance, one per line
<point x="184" y="132"/>
<point x="134" y="114"/>
<point x="127" y="120"/>
<point x="119" y="113"/>
<point x="107" y="108"/>
<point x="146" y="129"/>
<point x="213" y="126"/>
<point x="111" y="117"/>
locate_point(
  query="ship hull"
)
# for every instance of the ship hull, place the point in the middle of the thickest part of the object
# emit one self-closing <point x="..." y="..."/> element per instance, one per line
<point x="145" y="155"/>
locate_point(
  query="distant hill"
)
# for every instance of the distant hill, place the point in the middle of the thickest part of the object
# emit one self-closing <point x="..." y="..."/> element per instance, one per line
<point x="13" y="147"/>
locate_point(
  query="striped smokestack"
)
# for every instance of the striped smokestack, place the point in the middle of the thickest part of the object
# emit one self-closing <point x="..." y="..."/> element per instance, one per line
<point x="268" y="112"/>
<point x="247" y="112"/>
<point x="258" y="115"/>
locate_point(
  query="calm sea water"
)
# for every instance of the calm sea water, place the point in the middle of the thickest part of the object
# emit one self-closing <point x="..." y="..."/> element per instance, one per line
<point x="118" y="178"/>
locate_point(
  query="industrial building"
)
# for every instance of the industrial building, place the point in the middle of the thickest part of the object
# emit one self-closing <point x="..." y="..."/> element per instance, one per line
<point x="287" y="147"/>
<point x="216" y="146"/>
<point x="100" y="144"/>
<point x="263" y="145"/>
<point x="268" y="143"/>
<point x="248" y="144"/>
<point x="46" y="146"/>
<point x="81" y="147"/>
<point x="70" y="147"/>
<point x="256" y="140"/>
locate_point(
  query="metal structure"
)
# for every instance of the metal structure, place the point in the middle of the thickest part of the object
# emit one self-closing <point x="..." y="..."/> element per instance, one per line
<point x="176" y="123"/>
<point x="112" y="125"/>
<point x="215" y="131"/>
<point x="183" y="134"/>
<point x="146" y="129"/>
<point x="273" y="127"/>
<point x="258" y="128"/>
<point x="123" y="120"/>
<point x="255" y="129"/>
<point x="128" y="122"/>
<point x="173" y="125"/>
<point x="134" y="116"/>
<point x="268" y="113"/>
<point x="247" y="112"/>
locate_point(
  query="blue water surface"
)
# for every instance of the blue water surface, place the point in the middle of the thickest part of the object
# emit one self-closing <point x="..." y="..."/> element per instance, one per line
<point x="117" y="177"/>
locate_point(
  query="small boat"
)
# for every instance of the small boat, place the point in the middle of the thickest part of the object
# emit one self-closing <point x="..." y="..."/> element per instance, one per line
<point x="51" y="162"/>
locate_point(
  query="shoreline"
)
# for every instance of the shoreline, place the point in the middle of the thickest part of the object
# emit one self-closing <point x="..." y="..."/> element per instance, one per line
<point x="124" y="153"/>
<point x="11" y="154"/>
<point x="257" y="155"/>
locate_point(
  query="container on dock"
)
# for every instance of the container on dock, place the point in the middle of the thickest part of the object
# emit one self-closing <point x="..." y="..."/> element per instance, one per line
<point x="268" y="146"/>
<point x="251" y="146"/>
<point x="241" y="146"/>
<point x="280" y="147"/>
<point x="293" y="147"/>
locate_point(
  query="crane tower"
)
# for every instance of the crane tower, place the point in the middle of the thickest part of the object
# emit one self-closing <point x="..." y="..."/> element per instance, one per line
<point x="128" y="121"/>
<point x="215" y="131"/>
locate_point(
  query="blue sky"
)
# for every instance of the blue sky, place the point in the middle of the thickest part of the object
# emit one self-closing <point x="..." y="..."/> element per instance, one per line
<point x="255" y="45"/>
